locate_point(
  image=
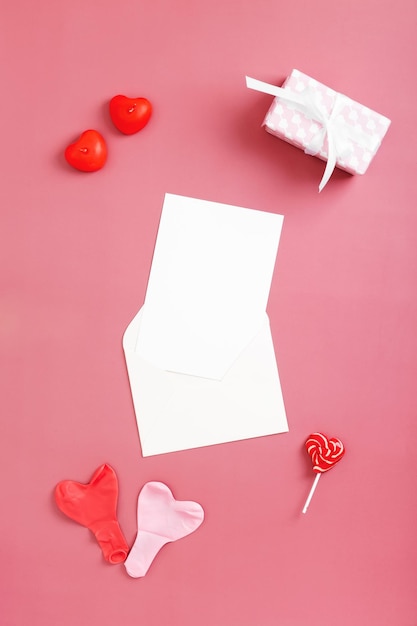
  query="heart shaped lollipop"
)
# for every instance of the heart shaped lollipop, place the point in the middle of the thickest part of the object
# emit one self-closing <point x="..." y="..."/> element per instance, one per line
<point x="130" y="115"/>
<point x="325" y="452"/>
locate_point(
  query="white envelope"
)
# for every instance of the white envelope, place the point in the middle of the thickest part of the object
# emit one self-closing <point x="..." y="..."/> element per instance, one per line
<point x="199" y="353"/>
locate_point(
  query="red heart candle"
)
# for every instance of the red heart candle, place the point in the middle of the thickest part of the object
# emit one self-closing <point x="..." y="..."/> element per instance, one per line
<point x="130" y="115"/>
<point x="88" y="153"/>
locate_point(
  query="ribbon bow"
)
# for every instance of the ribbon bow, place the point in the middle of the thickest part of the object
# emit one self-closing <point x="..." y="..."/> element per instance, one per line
<point x="339" y="134"/>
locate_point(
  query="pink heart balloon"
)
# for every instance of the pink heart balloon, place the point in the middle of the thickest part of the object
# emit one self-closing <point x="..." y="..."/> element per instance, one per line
<point x="161" y="519"/>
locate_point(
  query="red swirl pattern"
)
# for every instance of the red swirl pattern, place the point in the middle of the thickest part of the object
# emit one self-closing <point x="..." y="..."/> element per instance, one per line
<point x="325" y="452"/>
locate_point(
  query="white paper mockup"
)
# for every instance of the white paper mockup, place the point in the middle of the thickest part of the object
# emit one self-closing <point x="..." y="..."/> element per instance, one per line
<point x="199" y="353"/>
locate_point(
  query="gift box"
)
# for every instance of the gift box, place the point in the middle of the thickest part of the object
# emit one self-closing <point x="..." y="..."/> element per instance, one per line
<point x="323" y="123"/>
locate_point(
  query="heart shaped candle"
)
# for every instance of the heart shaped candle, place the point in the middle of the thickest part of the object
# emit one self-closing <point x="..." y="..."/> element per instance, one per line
<point x="130" y="115"/>
<point x="325" y="452"/>
<point x="88" y="153"/>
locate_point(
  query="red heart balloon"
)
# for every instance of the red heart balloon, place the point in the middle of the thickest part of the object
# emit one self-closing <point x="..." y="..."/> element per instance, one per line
<point x="88" y="153"/>
<point x="94" y="506"/>
<point x="130" y="115"/>
<point x="324" y="452"/>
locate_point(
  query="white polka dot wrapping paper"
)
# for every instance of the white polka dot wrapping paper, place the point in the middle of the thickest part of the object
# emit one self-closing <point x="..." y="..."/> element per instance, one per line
<point x="323" y="123"/>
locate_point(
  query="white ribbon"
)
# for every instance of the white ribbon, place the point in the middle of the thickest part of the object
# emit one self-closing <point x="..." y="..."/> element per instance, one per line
<point x="339" y="134"/>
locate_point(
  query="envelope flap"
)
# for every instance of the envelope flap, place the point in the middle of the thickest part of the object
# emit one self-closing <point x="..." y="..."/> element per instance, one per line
<point x="180" y="412"/>
<point x="209" y="285"/>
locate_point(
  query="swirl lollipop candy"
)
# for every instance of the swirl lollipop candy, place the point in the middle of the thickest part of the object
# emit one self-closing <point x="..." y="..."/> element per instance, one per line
<point x="325" y="452"/>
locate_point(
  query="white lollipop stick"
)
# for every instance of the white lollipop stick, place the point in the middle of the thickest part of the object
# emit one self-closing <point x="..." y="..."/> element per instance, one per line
<point x="312" y="490"/>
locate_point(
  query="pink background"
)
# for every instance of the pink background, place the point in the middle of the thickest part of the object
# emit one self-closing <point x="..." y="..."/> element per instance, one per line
<point x="75" y="256"/>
